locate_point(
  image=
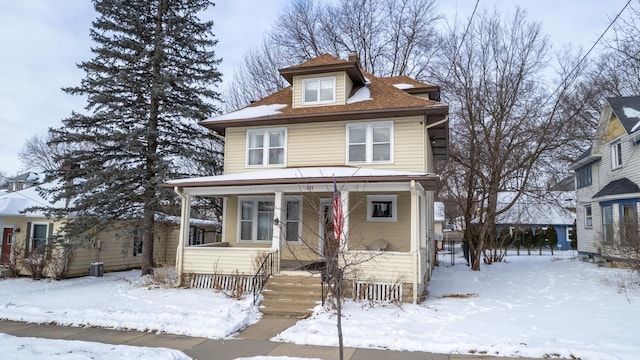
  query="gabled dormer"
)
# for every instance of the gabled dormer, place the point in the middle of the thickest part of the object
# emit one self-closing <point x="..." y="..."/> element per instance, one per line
<point x="324" y="80"/>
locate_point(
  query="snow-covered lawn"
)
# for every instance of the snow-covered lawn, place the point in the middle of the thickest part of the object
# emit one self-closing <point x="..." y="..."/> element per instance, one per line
<point x="532" y="306"/>
<point x="122" y="301"/>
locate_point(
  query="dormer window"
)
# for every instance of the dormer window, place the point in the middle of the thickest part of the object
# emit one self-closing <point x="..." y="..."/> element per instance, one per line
<point x="319" y="90"/>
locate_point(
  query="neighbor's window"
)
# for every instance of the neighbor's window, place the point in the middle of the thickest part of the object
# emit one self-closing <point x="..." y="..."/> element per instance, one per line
<point x="293" y="219"/>
<point x="583" y="176"/>
<point x="319" y="90"/>
<point x="588" y="216"/>
<point x="196" y="236"/>
<point x="266" y="147"/>
<point x="39" y="235"/>
<point x="137" y="242"/>
<point x="616" y="155"/>
<point x="629" y="226"/>
<point x="370" y="142"/>
<point x="382" y="207"/>
<point x="256" y="219"/>
<point x="607" y="224"/>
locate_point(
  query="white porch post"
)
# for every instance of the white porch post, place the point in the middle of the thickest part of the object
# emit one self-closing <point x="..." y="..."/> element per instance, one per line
<point x="278" y="212"/>
<point x="344" y="201"/>
<point x="415" y="240"/>
<point x="185" y="221"/>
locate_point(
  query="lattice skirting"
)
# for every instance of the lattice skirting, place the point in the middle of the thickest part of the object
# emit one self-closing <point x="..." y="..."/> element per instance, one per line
<point x="222" y="282"/>
<point x="377" y="291"/>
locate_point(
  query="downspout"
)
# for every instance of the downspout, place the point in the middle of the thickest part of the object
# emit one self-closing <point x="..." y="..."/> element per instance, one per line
<point x="184" y="228"/>
<point x="414" y="246"/>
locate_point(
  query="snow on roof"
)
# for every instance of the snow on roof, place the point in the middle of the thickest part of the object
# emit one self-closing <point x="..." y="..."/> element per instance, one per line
<point x="298" y="173"/>
<point x="632" y="113"/>
<point x="549" y="208"/>
<point x="176" y="220"/>
<point x="13" y="203"/>
<point x="250" y="112"/>
<point x="403" y="86"/>
<point x="363" y="94"/>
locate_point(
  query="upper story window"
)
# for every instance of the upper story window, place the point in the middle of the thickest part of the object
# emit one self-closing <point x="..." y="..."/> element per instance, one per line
<point x="583" y="176"/>
<point x="319" y="90"/>
<point x="266" y="147"/>
<point x="616" y="155"/>
<point x="370" y="142"/>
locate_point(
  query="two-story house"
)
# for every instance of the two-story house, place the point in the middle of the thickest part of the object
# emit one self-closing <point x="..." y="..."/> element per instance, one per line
<point x="607" y="178"/>
<point x="375" y="138"/>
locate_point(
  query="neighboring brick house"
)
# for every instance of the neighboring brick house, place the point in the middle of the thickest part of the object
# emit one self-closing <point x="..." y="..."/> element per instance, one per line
<point x="377" y="138"/>
<point x="607" y="178"/>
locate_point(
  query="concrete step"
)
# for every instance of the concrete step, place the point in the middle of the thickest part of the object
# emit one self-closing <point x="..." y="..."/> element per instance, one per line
<point x="291" y="295"/>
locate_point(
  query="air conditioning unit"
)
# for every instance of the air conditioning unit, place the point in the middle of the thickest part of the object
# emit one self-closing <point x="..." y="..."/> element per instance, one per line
<point x="96" y="269"/>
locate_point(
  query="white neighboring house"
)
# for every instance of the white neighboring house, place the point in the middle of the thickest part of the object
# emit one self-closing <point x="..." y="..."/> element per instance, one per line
<point x="607" y="177"/>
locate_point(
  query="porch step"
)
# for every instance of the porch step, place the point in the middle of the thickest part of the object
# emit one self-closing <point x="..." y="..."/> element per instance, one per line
<point x="291" y="295"/>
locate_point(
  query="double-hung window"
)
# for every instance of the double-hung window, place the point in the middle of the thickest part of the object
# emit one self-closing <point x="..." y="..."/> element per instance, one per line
<point x="256" y="219"/>
<point x="293" y="219"/>
<point x="370" y="143"/>
<point x="319" y="90"/>
<point x="39" y="237"/>
<point x="266" y="147"/>
<point x="607" y="224"/>
<point x="588" y="217"/>
<point x="583" y="176"/>
<point x="616" y="155"/>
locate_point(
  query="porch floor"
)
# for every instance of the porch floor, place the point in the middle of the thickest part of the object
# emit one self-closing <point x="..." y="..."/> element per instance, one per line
<point x="306" y="265"/>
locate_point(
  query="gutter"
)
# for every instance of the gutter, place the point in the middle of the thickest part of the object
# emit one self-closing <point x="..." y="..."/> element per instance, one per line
<point x="183" y="220"/>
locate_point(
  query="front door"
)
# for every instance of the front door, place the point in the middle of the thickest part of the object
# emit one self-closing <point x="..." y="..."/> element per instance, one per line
<point x="327" y="236"/>
<point x="5" y="255"/>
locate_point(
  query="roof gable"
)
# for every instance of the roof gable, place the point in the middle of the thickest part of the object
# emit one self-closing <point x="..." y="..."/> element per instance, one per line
<point x="627" y="110"/>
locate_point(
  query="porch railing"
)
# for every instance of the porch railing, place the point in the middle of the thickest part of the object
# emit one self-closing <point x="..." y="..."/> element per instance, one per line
<point x="262" y="275"/>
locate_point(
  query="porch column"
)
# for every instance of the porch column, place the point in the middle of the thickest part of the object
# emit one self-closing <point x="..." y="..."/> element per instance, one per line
<point x="278" y="220"/>
<point x="185" y="221"/>
<point x="415" y="240"/>
<point x="344" y="201"/>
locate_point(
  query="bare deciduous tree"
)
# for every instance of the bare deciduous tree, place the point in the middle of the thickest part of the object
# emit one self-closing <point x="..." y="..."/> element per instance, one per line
<point x="504" y="119"/>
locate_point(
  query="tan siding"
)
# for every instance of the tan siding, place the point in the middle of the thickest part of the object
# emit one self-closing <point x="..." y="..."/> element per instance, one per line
<point x="387" y="266"/>
<point x="324" y="144"/>
<point x="614" y="130"/>
<point x="220" y="260"/>
<point x="231" y="227"/>
<point x="363" y="232"/>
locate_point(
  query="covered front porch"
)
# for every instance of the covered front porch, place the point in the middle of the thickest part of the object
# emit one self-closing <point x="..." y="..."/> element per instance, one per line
<point x="283" y="219"/>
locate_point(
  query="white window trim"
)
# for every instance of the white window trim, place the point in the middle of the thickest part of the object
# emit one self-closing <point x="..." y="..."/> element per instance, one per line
<point x="394" y="207"/>
<point x="32" y="231"/>
<point x="285" y="221"/>
<point x="587" y="217"/>
<point x="254" y="225"/>
<point x="266" y="146"/>
<point x="616" y="151"/>
<point x="369" y="142"/>
<point x="318" y="80"/>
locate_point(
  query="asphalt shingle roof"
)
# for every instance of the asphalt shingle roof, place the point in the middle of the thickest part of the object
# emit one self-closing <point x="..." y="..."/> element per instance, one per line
<point x="617" y="187"/>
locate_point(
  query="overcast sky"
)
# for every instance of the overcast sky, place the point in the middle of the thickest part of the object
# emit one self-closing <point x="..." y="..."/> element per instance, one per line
<point x="41" y="41"/>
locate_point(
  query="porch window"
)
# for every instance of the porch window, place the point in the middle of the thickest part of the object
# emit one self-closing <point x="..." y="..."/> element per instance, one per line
<point x="39" y="237"/>
<point x="293" y="220"/>
<point x="370" y="142"/>
<point x="607" y="224"/>
<point x="256" y="219"/>
<point x="266" y="147"/>
<point x="616" y="155"/>
<point x="319" y="90"/>
<point x="382" y="207"/>
<point x="588" y="217"/>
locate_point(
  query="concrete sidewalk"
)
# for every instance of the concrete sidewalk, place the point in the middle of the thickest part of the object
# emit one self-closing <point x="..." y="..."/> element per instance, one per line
<point x="253" y="341"/>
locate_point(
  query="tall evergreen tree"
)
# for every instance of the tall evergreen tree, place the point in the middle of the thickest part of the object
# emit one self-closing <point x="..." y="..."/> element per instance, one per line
<point x="152" y="78"/>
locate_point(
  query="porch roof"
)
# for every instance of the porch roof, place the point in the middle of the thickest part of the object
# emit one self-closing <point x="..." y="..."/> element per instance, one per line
<point x="309" y="175"/>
